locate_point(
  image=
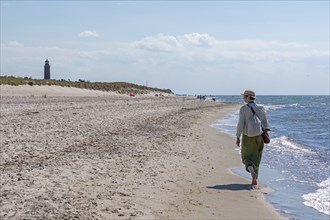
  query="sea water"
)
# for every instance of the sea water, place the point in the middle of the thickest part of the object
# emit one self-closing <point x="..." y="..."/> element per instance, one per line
<point x="296" y="164"/>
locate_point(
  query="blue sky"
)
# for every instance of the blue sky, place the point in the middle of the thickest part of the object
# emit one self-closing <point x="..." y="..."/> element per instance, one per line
<point x="191" y="47"/>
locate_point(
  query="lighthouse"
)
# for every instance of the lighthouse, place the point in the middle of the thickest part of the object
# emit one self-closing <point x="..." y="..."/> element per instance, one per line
<point x="47" y="70"/>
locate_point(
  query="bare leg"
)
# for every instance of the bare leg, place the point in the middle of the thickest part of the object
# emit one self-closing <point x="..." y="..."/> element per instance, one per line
<point x="254" y="175"/>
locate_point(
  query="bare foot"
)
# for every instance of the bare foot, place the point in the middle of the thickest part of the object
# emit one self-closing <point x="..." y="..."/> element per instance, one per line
<point x="253" y="174"/>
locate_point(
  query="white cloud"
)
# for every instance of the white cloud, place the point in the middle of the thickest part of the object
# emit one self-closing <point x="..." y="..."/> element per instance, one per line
<point x="14" y="44"/>
<point x="159" y="42"/>
<point x="196" y="47"/>
<point x="169" y="61"/>
<point x="88" y="34"/>
<point x="163" y="42"/>
<point x="198" y="39"/>
<point x="191" y="48"/>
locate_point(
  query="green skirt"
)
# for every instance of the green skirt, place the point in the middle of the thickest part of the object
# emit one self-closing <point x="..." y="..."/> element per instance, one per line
<point x="251" y="152"/>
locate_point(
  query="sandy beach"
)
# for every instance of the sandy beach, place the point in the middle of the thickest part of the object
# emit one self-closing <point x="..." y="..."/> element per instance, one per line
<point x="87" y="155"/>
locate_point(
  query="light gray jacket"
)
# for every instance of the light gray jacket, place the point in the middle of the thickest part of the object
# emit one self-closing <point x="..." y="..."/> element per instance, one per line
<point x="245" y="113"/>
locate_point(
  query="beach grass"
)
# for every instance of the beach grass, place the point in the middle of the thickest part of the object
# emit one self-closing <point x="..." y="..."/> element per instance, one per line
<point x="119" y="87"/>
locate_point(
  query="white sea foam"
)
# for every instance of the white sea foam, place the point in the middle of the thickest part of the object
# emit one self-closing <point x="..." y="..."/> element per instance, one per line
<point x="229" y="120"/>
<point x="284" y="144"/>
<point x="275" y="107"/>
<point x="320" y="200"/>
<point x="272" y="107"/>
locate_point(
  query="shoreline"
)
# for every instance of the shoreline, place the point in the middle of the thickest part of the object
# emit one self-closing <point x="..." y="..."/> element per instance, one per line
<point x="288" y="191"/>
<point x="115" y="157"/>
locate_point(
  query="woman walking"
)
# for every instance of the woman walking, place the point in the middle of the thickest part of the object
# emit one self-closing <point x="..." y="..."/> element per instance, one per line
<point x="252" y="141"/>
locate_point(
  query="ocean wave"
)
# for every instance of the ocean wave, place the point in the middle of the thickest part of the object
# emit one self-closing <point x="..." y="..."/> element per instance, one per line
<point x="284" y="144"/>
<point x="230" y="119"/>
<point x="276" y="107"/>
<point x="224" y="123"/>
<point x="319" y="200"/>
<point x="272" y="107"/>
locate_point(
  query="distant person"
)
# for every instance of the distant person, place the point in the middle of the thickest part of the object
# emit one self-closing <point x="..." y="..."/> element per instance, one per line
<point x="252" y="141"/>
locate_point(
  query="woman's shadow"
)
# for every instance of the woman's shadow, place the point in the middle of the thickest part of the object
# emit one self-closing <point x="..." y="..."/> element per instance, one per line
<point x="233" y="187"/>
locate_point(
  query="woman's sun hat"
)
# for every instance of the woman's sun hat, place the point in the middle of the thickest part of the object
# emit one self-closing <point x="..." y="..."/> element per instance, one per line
<point x="250" y="93"/>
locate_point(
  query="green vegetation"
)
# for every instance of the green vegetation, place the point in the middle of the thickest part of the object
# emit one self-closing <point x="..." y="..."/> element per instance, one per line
<point x="119" y="87"/>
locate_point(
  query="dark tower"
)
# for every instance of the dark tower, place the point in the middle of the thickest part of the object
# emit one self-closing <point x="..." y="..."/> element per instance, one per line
<point x="47" y="70"/>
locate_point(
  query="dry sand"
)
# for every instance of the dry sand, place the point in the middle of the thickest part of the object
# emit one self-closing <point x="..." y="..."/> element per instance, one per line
<point x="119" y="157"/>
<point x="46" y="91"/>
